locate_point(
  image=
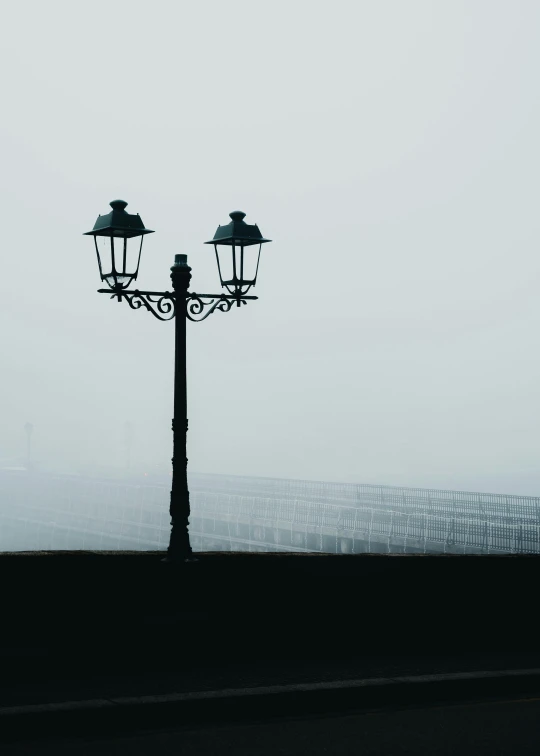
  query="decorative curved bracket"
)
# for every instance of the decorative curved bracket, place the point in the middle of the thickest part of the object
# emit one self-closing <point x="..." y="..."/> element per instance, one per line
<point x="162" y="304"/>
<point x="200" y="306"/>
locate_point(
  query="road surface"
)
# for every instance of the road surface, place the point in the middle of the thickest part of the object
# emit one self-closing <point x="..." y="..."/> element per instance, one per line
<point x="500" y="727"/>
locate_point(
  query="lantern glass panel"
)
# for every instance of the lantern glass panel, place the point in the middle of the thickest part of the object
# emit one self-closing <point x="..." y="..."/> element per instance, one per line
<point x="238" y="266"/>
<point x="118" y="259"/>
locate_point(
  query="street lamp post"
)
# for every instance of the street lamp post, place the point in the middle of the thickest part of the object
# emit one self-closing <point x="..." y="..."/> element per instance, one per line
<point x="118" y="238"/>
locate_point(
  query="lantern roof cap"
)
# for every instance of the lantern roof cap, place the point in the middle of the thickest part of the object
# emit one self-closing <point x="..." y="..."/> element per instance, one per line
<point x="238" y="232"/>
<point x="119" y="223"/>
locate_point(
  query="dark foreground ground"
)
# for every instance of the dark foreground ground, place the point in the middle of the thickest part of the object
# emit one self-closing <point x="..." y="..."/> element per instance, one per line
<point x="99" y="603"/>
<point x="502" y="727"/>
<point x="84" y="626"/>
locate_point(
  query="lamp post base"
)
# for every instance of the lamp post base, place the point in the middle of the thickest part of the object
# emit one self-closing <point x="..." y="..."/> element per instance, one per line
<point x="179" y="560"/>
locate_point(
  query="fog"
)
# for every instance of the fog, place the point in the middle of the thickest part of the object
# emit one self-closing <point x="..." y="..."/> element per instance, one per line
<point x="390" y="151"/>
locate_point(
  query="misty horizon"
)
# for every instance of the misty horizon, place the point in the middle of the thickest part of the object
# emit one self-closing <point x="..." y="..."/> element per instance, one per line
<point x="392" y="158"/>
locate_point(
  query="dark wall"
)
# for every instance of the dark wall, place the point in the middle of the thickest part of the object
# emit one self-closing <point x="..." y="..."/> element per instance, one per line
<point x="132" y="609"/>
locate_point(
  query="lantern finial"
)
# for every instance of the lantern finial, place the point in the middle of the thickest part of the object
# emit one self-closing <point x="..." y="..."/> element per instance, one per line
<point x="118" y="204"/>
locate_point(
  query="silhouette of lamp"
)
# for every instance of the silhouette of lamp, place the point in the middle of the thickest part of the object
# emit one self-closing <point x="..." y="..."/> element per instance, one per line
<point x="118" y="238"/>
<point x="238" y="253"/>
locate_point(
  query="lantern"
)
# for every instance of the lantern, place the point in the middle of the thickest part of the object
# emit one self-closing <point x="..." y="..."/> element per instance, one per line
<point x="118" y="246"/>
<point x="238" y="253"/>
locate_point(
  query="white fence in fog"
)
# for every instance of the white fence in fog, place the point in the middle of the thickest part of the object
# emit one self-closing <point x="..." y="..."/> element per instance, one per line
<point x="70" y="512"/>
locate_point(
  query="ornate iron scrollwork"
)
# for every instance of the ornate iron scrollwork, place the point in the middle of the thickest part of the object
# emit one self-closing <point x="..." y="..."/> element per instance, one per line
<point x="200" y="306"/>
<point x="162" y="304"/>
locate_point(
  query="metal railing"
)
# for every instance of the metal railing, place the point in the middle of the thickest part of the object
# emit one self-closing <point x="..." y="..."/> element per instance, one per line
<point x="72" y="512"/>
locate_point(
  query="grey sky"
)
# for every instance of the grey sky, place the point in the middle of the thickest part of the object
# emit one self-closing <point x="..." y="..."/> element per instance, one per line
<point x="390" y="150"/>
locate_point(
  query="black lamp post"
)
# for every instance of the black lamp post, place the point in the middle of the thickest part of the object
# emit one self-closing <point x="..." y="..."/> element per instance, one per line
<point x="118" y="238"/>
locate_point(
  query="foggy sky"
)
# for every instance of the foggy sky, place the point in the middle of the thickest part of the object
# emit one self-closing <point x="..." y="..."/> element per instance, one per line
<point x="389" y="149"/>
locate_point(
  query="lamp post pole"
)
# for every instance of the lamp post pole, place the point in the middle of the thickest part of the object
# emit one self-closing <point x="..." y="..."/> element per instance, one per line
<point x="115" y="235"/>
<point x="179" y="544"/>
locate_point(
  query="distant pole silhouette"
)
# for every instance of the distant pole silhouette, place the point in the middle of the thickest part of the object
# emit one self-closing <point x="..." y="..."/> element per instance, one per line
<point x="128" y="441"/>
<point x="118" y="238"/>
<point x="28" y="429"/>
